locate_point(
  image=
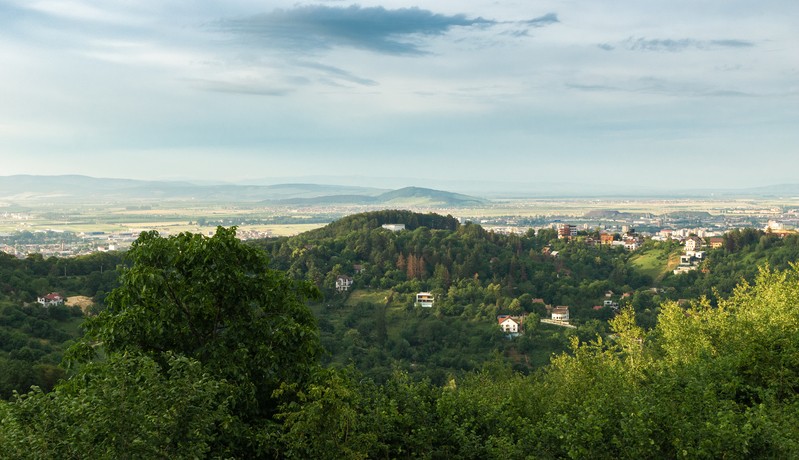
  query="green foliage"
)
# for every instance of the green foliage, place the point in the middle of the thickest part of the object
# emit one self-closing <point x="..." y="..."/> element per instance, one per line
<point x="32" y="340"/>
<point x="126" y="407"/>
<point x="213" y="299"/>
<point x="329" y="419"/>
<point x="209" y="353"/>
<point x="744" y="251"/>
<point x="707" y="382"/>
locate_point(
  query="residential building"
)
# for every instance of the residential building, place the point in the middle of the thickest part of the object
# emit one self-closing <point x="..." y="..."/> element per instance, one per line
<point x="343" y="283"/>
<point x="631" y="243"/>
<point x="51" y="299"/>
<point x="693" y="243"/>
<point x="424" y="299"/>
<point x="567" y="231"/>
<point x="560" y="313"/>
<point x="394" y="227"/>
<point x="508" y="324"/>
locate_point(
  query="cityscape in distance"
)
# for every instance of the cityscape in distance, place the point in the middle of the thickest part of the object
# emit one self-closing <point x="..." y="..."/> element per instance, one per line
<point x="76" y="215"/>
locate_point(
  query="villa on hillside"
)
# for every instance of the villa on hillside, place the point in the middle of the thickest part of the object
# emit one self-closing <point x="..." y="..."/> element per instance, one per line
<point x="394" y="227"/>
<point x="51" y="299"/>
<point x="510" y="325"/>
<point x="693" y="243"/>
<point x="424" y="299"/>
<point x="343" y="283"/>
<point x="561" y="314"/>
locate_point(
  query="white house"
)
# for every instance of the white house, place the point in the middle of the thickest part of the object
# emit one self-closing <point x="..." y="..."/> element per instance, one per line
<point x="560" y="314"/>
<point x="508" y="324"/>
<point x="693" y="243"/>
<point x="51" y="299"/>
<point x="343" y="283"/>
<point x="424" y="299"/>
<point x="394" y="227"/>
<point x="631" y="243"/>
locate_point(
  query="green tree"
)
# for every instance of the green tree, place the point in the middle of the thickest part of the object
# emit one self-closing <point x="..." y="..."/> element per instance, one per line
<point x="215" y="300"/>
<point x="126" y="407"/>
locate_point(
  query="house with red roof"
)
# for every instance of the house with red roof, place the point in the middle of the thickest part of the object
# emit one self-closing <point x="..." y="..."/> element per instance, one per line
<point x="51" y="299"/>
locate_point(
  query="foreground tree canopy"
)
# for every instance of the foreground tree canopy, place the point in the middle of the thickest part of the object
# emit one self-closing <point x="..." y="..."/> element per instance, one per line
<point x="206" y="353"/>
<point x="214" y="300"/>
<point x="192" y="302"/>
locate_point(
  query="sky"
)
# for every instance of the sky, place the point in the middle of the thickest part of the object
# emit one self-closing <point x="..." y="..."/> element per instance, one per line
<point x="680" y="93"/>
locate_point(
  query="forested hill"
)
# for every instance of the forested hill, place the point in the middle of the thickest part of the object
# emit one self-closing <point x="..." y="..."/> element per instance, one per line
<point x="204" y="351"/>
<point x="436" y="253"/>
<point x="474" y="276"/>
<point x="373" y="220"/>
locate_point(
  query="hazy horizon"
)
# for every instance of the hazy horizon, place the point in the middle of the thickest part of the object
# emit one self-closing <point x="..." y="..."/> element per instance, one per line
<point x="656" y="96"/>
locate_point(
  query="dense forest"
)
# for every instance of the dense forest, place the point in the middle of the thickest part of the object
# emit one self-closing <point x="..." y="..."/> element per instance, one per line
<point x="210" y="347"/>
<point x="476" y="275"/>
<point x="33" y="338"/>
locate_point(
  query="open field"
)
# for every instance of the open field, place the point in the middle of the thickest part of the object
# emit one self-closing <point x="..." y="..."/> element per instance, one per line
<point x="656" y="262"/>
<point x="377" y="297"/>
<point x="170" y="219"/>
<point x="175" y="217"/>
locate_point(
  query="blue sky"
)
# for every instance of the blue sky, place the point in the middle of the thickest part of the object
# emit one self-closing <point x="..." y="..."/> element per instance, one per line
<point x="666" y="94"/>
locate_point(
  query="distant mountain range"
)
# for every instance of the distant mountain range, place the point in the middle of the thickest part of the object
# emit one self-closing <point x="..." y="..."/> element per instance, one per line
<point x="509" y="189"/>
<point x="417" y="196"/>
<point x="84" y="189"/>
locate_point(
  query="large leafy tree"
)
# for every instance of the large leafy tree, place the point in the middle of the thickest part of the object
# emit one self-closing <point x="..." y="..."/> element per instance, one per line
<point x="215" y="300"/>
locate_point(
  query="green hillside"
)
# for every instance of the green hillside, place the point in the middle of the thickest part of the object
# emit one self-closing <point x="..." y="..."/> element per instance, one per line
<point x="206" y="352"/>
<point x="656" y="260"/>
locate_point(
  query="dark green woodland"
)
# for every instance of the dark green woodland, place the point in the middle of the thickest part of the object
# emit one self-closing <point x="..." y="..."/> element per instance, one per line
<point x="209" y="347"/>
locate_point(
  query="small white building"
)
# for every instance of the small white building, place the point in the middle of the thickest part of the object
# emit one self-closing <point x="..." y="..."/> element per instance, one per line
<point x="424" y="299"/>
<point x="560" y="314"/>
<point x="343" y="283"/>
<point x="394" y="227"/>
<point x="508" y="324"/>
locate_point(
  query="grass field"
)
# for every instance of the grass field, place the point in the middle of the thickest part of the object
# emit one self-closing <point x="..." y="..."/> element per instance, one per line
<point x="655" y="262"/>
<point x="366" y="295"/>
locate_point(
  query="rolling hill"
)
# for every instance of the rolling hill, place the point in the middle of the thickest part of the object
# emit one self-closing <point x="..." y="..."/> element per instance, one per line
<point x="74" y="188"/>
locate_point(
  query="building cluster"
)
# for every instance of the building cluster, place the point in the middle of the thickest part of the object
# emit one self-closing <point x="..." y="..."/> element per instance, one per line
<point x="692" y="256"/>
<point x="51" y="243"/>
<point x="628" y="239"/>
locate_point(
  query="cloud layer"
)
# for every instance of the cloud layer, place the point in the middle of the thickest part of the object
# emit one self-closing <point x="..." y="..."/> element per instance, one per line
<point x="372" y="28"/>
<point x="675" y="45"/>
<point x="576" y="90"/>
